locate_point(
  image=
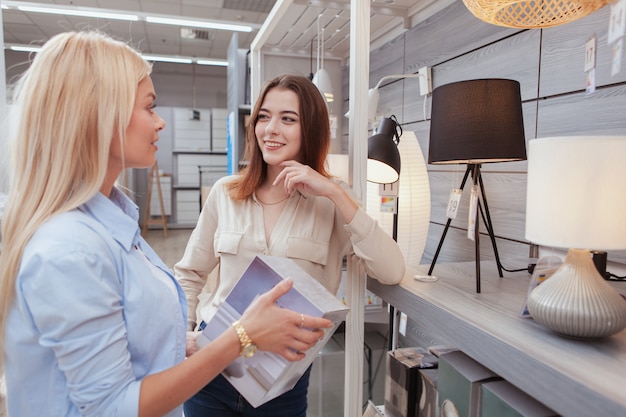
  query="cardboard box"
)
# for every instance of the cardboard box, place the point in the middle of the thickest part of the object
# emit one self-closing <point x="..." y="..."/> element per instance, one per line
<point x="459" y="382"/>
<point x="267" y="375"/>
<point x="403" y="384"/>
<point x="501" y="399"/>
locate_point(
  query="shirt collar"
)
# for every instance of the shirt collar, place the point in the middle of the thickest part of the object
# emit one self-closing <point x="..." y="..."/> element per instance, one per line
<point x="118" y="214"/>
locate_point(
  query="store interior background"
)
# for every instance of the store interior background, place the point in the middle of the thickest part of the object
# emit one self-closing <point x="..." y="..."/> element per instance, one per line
<point x="548" y="63"/>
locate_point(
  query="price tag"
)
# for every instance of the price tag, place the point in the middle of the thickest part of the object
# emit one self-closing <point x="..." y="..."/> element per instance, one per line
<point x="453" y="203"/>
<point x="473" y="210"/>
<point x="402" y="324"/>
<point x="616" y="65"/>
<point x="617" y="21"/>
<point x="590" y="53"/>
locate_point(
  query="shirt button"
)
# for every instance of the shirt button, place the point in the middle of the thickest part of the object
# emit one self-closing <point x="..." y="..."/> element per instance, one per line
<point x="216" y="303"/>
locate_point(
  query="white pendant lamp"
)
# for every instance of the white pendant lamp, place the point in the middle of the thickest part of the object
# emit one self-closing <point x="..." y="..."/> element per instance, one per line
<point x="321" y="78"/>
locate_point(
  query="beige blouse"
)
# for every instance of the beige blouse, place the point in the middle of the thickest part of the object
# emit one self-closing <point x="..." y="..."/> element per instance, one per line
<point x="310" y="231"/>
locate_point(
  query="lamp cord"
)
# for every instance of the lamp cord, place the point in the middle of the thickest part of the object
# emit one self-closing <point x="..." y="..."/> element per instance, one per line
<point x="514" y="270"/>
<point x="612" y="277"/>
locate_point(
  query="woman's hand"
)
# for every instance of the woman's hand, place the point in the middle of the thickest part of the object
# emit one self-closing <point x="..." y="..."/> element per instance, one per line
<point x="304" y="178"/>
<point x="191" y="346"/>
<point x="280" y="330"/>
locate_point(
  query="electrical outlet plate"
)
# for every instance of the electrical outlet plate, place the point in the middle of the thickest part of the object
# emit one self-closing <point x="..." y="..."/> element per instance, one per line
<point x="426" y="84"/>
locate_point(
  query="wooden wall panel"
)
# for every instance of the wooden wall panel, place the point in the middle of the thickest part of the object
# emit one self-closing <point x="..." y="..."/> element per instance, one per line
<point x="506" y="196"/>
<point x="387" y="60"/>
<point x="600" y="113"/>
<point x="515" y="58"/>
<point x="390" y="101"/>
<point x="450" y="33"/>
<point x="563" y="55"/>
<point x="458" y="248"/>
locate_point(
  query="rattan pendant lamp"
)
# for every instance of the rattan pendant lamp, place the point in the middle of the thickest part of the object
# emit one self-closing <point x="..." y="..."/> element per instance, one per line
<point x="532" y="14"/>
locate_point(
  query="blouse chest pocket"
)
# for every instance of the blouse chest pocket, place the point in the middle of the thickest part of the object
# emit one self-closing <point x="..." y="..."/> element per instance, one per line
<point x="228" y="242"/>
<point x="308" y="249"/>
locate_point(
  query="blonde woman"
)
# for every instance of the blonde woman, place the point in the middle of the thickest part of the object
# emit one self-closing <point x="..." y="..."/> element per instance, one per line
<point x="283" y="204"/>
<point x="93" y="322"/>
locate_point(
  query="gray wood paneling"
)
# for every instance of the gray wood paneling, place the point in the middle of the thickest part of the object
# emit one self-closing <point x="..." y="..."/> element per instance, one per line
<point x="600" y="113"/>
<point x="506" y="196"/>
<point x="452" y="32"/>
<point x="458" y="248"/>
<point x="563" y="55"/>
<point x="515" y="58"/>
<point x="387" y="60"/>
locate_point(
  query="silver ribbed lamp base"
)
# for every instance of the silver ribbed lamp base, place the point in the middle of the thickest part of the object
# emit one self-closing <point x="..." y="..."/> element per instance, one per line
<point x="576" y="301"/>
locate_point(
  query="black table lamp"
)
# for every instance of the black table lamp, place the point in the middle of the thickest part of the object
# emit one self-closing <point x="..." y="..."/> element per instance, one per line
<point x="475" y="122"/>
<point x="383" y="157"/>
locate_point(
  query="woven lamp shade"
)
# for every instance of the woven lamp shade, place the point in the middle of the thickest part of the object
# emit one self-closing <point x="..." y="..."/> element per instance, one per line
<point x="532" y="14"/>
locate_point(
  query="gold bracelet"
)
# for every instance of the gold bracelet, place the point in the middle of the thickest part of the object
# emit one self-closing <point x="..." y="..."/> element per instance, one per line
<point x="248" y="348"/>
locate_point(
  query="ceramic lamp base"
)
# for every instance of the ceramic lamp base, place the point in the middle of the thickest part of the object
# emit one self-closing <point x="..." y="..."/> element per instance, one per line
<point x="576" y="301"/>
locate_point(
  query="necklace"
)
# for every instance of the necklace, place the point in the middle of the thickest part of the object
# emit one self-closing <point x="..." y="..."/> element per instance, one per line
<point x="272" y="204"/>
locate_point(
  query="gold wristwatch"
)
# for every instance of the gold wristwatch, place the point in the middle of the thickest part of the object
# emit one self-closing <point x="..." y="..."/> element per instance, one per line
<point x="248" y="348"/>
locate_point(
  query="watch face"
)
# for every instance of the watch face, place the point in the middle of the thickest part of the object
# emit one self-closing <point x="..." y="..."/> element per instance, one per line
<point x="249" y="351"/>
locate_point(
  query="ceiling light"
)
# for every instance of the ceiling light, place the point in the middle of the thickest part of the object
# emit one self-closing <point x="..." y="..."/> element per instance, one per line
<point x="321" y="79"/>
<point x="147" y="57"/>
<point x="165" y="58"/>
<point x="198" y="23"/>
<point x="24" y="48"/>
<point x="214" y="62"/>
<point x="79" y="12"/>
<point x="124" y="15"/>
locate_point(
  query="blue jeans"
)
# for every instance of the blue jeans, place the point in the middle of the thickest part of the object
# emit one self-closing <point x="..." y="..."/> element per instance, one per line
<point x="220" y="399"/>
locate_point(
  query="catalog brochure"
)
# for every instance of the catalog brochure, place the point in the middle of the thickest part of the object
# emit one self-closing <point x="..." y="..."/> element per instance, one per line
<point x="267" y="375"/>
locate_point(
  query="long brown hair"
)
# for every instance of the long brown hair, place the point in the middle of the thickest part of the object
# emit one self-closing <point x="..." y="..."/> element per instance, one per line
<point x="315" y="132"/>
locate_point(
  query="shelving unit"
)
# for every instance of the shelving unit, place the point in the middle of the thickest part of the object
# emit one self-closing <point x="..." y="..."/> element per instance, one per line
<point x="575" y="378"/>
<point x="197" y="142"/>
<point x="187" y="188"/>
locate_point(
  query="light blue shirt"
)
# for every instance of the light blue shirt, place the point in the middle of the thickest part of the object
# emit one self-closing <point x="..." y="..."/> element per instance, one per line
<point x="90" y="319"/>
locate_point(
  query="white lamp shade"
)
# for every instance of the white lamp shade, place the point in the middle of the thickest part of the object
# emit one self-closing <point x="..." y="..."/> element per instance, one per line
<point x="380" y="172"/>
<point x="322" y="80"/>
<point x="576" y="192"/>
<point x="413" y="201"/>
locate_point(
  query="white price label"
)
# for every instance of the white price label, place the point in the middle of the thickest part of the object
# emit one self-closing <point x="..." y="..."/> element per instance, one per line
<point x="453" y="203"/>
<point x="402" y="324"/>
<point x="617" y="21"/>
<point x="590" y="53"/>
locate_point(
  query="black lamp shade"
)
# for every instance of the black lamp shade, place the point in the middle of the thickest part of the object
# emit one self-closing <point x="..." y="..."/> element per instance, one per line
<point x="383" y="156"/>
<point x="477" y="121"/>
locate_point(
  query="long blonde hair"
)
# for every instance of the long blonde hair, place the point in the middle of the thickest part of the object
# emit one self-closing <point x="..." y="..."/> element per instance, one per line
<point x="76" y="96"/>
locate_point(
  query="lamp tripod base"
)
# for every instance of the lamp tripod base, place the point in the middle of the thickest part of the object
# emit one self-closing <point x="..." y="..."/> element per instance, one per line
<point x="477" y="179"/>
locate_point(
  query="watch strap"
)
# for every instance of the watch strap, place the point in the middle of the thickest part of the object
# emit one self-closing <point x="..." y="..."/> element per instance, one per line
<point x="244" y="339"/>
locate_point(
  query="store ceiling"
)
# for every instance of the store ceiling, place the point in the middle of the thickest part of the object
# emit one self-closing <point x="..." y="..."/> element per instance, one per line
<point x="388" y="19"/>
